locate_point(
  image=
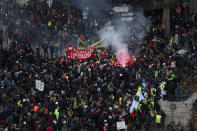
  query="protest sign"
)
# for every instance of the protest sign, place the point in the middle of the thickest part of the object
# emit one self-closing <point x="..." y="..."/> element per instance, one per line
<point x="121" y="125"/>
<point x="39" y="85"/>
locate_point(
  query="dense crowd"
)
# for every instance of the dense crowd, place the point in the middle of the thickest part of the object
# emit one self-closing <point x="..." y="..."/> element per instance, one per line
<point x="90" y="94"/>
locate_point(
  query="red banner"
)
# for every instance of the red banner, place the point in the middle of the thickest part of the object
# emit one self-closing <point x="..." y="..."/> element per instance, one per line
<point x="73" y="53"/>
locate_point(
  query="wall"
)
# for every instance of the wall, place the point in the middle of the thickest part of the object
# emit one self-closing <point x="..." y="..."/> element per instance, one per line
<point x="193" y="6"/>
<point x="183" y="112"/>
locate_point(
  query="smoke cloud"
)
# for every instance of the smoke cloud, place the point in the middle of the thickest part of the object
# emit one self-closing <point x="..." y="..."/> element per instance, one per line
<point x="114" y="36"/>
<point x="121" y="35"/>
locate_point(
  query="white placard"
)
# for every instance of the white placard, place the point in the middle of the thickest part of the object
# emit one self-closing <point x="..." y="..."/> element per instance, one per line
<point x="51" y="93"/>
<point x="121" y="125"/>
<point x="121" y="9"/>
<point x="127" y="14"/>
<point x="126" y="18"/>
<point x="39" y="85"/>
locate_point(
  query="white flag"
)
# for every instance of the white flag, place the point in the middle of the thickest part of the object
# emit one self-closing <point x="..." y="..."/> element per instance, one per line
<point x="134" y="105"/>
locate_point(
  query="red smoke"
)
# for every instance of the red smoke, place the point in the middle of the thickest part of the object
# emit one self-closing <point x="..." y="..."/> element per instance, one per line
<point x="125" y="61"/>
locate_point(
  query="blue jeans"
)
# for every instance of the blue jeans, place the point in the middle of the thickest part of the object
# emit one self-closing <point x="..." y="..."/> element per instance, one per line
<point x="179" y="96"/>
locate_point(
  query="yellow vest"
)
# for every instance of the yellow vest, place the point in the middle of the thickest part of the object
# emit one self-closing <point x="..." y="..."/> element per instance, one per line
<point x="24" y="122"/>
<point x="49" y="23"/>
<point x="138" y="93"/>
<point x="153" y="104"/>
<point x="75" y="104"/>
<point x="172" y="77"/>
<point x="153" y="91"/>
<point x="156" y="74"/>
<point x="113" y="98"/>
<point x="67" y="77"/>
<point x="164" y="84"/>
<point x="19" y="103"/>
<point x="139" y="88"/>
<point x="124" y="98"/>
<point x="57" y="114"/>
<point x="158" y="119"/>
<point x="172" y="40"/>
<point x="120" y="100"/>
<point x="139" y="107"/>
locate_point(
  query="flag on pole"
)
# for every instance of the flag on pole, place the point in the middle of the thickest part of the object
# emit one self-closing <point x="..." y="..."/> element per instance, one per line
<point x="82" y="44"/>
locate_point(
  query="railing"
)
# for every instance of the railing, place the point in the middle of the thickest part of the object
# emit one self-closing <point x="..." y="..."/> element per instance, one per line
<point x="188" y="86"/>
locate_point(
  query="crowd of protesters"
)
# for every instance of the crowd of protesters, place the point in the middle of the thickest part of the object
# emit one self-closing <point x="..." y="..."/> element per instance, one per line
<point x="88" y="94"/>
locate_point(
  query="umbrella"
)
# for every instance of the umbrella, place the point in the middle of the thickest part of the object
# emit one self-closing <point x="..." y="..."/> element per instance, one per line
<point x="181" y="52"/>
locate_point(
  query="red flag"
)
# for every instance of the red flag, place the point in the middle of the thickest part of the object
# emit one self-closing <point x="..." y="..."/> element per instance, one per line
<point x="132" y="114"/>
